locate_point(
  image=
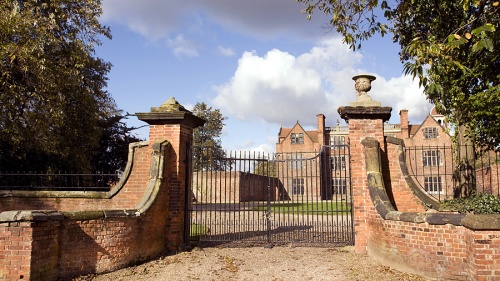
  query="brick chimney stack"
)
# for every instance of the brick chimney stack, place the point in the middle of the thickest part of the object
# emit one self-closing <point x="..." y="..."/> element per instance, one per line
<point x="403" y="117"/>
<point x="321" y="129"/>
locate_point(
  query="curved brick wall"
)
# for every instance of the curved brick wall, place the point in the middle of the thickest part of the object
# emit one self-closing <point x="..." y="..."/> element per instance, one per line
<point x="59" y="235"/>
<point x="126" y="194"/>
<point x="429" y="243"/>
<point x="59" y="244"/>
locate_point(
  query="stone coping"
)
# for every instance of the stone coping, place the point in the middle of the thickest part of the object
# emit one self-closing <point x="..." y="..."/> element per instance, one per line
<point x="156" y="175"/>
<point x="179" y="117"/>
<point x="365" y="112"/>
<point x="387" y="211"/>
<point x="47" y="215"/>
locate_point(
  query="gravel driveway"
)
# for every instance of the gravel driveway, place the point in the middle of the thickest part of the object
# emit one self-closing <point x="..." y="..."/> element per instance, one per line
<point x="287" y="262"/>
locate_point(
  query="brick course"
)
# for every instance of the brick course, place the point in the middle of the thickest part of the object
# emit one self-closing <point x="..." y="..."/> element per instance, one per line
<point x="120" y="197"/>
<point x="145" y="217"/>
<point x="93" y="232"/>
<point x="401" y="233"/>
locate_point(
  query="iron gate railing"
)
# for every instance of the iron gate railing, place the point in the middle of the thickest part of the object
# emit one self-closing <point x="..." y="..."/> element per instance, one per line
<point x="60" y="181"/>
<point x="288" y="197"/>
<point x="442" y="173"/>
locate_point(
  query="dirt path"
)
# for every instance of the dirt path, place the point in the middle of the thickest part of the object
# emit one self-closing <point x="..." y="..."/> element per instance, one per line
<point x="259" y="263"/>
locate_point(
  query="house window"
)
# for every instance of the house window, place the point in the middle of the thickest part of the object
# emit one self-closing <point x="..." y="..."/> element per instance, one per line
<point x="297" y="186"/>
<point x="338" y="163"/>
<point x="297" y="138"/>
<point x="431" y="158"/>
<point x="433" y="185"/>
<point x="296" y="161"/>
<point x="337" y="140"/>
<point x="430" y="133"/>
<point x="339" y="186"/>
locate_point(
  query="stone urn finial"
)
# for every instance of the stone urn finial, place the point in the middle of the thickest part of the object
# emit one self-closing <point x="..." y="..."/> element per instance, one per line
<point x="363" y="84"/>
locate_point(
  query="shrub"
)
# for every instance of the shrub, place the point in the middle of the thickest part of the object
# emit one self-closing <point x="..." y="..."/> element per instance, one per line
<point x="479" y="203"/>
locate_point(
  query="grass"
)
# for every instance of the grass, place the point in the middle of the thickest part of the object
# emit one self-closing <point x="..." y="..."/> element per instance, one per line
<point x="197" y="230"/>
<point x="321" y="207"/>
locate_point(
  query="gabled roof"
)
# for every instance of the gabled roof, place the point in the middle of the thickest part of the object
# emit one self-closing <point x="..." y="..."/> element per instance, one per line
<point x="285" y="132"/>
<point x="413" y="129"/>
<point x="313" y="135"/>
<point x="429" y="117"/>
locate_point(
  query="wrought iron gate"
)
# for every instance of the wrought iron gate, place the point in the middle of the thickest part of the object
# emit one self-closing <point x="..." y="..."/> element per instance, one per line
<point x="289" y="197"/>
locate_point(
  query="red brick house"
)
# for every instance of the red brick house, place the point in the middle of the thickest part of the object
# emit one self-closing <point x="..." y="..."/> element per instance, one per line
<point x="298" y="144"/>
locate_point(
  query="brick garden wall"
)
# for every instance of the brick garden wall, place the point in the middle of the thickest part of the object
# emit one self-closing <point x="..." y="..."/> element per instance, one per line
<point x="487" y="180"/>
<point x="230" y="187"/>
<point x="121" y="196"/>
<point x="52" y="245"/>
<point x="77" y="234"/>
<point x="59" y="235"/>
<point x="444" y="246"/>
<point x="402" y="197"/>
<point x="391" y="221"/>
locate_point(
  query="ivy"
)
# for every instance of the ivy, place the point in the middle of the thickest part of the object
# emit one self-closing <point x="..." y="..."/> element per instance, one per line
<point x="479" y="203"/>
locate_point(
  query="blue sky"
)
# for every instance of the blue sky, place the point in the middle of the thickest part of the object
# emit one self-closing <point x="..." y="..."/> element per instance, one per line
<point x="260" y="62"/>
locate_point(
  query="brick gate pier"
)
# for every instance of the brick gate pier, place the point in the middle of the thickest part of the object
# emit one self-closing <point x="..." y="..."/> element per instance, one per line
<point x="47" y="235"/>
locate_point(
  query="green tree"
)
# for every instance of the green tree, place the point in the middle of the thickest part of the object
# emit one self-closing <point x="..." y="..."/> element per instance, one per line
<point x="265" y="167"/>
<point x="453" y="47"/>
<point x="114" y="144"/>
<point x="208" y="153"/>
<point x="52" y="97"/>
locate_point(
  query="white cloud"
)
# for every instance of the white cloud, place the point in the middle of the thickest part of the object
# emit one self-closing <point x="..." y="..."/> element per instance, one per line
<point x="252" y="146"/>
<point x="227" y="52"/>
<point x="280" y="88"/>
<point x="404" y="93"/>
<point x="156" y="19"/>
<point x="272" y="88"/>
<point x="151" y="20"/>
<point x="264" y="149"/>
<point x="182" y="47"/>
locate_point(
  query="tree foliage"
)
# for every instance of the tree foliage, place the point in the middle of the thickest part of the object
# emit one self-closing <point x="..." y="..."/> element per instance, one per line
<point x="453" y="47"/>
<point x="266" y="167"/>
<point x="53" y="102"/>
<point x="114" y="143"/>
<point x="208" y="154"/>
